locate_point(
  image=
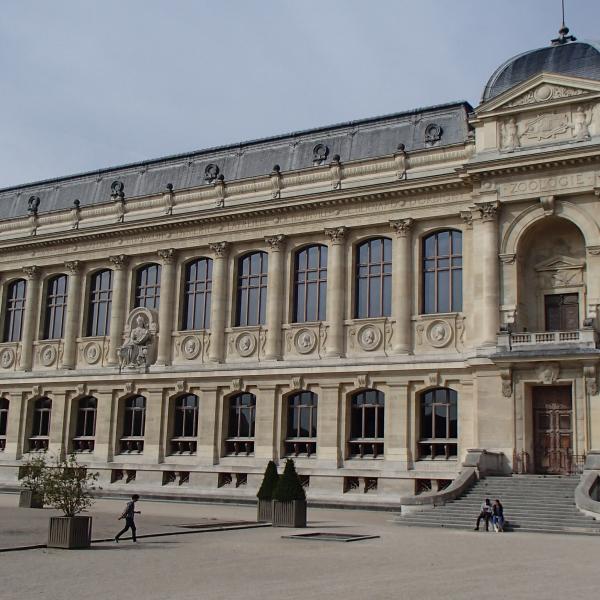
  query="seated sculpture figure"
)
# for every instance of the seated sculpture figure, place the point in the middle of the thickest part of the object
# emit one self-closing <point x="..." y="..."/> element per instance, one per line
<point x="134" y="352"/>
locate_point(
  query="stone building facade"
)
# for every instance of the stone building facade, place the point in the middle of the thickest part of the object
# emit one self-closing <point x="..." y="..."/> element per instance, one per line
<point x="373" y="299"/>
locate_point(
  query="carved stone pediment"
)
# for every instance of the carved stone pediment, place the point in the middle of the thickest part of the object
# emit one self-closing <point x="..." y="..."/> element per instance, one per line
<point x="560" y="272"/>
<point x="559" y="263"/>
<point x="546" y="92"/>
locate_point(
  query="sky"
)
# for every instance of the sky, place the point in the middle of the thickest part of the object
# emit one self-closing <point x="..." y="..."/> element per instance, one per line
<point x="92" y="84"/>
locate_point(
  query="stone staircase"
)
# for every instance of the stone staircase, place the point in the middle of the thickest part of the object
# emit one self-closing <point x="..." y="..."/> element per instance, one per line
<point x="531" y="503"/>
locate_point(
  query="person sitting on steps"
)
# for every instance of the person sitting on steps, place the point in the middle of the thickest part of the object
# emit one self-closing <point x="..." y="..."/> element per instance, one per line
<point x="485" y="513"/>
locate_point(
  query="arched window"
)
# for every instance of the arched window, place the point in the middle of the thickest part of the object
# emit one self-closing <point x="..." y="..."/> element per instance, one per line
<point x="310" y="284"/>
<point x="374" y="278"/>
<point x="252" y="289"/>
<point x="3" y="422"/>
<point x="40" y="428"/>
<point x="439" y="424"/>
<point x="366" y="423"/>
<point x="442" y="272"/>
<point x="185" y="425"/>
<point x="14" y="311"/>
<point x="56" y="307"/>
<point x="100" y="303"/>
<point x="86" y="425"/>
<point x="301" y="424"/>
<point x="134" y="424"/>
<point x="240" y="432"/>
<point x="147" y="286"/>
<point x="198" y="291"/>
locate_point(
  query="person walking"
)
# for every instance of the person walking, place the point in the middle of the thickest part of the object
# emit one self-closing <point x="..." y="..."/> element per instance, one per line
<point x="129" y="516"/>
<point x="485" y="513"/>
<point x="498" y="516"/>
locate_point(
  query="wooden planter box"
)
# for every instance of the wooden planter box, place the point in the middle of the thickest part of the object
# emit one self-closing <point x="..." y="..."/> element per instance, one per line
<point x="70" y="532"/>
<point x="27" y="499"/>
<point x="264" y="511"/>
<point x="289" y="514"/>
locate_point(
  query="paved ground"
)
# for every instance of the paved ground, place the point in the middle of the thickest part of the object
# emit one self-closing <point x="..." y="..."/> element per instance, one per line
<point x="405" y="563"/>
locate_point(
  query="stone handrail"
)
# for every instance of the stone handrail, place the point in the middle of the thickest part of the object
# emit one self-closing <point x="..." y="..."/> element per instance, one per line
<point x="586" y="493"/>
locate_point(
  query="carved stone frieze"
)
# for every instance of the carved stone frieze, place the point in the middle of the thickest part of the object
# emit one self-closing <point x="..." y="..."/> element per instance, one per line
<point x="545" y="93"/>
<point x="547" y="373"/>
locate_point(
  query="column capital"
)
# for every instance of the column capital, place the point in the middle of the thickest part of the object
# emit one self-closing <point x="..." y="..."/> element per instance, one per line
<point x="275" y="242"/>
<point x="467" y="217"/>
<point x="167" y="255"/>
<point x="119" y="261"/>
<point x="488" y="210"/>
<point x="31" y="272"/>
<point x="402" y="227"/>
<point x="336" y="235"/>
<point x="220" y="249"/>
<point x="73" y="266"/>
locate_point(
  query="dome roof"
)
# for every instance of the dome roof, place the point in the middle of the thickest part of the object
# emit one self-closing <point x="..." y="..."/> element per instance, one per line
<point x="580" y="59"/>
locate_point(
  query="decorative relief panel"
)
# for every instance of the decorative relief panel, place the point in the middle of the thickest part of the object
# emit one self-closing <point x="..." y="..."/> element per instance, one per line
<point x="48" y="354"/>
<point x="246" y="343"/>
<point x="369" y="336"/>
<point x="92" y="351"/>
<point x="560" y="272"/>
<point x="9" y="356"/>
<point x="191" y="346"/>
<point x="305" y="340"/>
<point x="544" y="93"/>
<point x="440" y="332"/>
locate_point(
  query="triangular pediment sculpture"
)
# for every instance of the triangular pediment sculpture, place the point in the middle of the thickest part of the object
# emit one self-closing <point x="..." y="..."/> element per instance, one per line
<point x="559" y="263"/>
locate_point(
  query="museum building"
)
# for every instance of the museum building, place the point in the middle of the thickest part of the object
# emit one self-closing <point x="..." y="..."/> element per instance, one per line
<point x="373" y="299"/>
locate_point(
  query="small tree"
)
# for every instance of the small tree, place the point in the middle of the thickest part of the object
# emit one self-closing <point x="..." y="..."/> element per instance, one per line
<point x="68" y="486"/>
<point x="289" y="487"/>
<point x="33" y="473"/>
<point x="268" y="483"/>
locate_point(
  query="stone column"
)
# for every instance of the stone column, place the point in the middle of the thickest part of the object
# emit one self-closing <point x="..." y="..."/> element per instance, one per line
<point x="30" y="318"/>
<point x="208" y="423"/>
<point x="265" y="443"/>
<point x="401" y="285"/>
<point x="329" y="450"/>
<point x="488" y="253"/>
<point x="73" y="318"/>
<point x="117" y="311"/>
<point x="218" y="303"/>
<point x="166" y="309"/>
<point x="336" y="292"/>
<point x="275" y="300"/>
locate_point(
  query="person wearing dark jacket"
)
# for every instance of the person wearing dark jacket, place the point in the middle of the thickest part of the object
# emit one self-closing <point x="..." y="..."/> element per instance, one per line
<point x="485" y="514"/>
<point x="129" y="516"/>
<point x="498" y="516"/>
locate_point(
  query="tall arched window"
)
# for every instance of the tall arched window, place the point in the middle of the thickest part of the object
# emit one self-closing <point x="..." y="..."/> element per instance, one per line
<point x="100" y="303"/>
<point x="134" y="424"/>
<point x="147" y="286"/>
<point x="40" y="426"/>
<point x="252" y="289"/>
<point x="198" y="291"/>
<point x="240" y="432"/>
<point x="366" y="423"/>
<point x="301" y="424"/>
<point x="185" y="425"/>
<point x="14" y="311"/>
<point x="374" y="278"/>
<point x="439" y="424"/>
<point x="3" y="422"/>
<point x="56" y="307"/>
<point x="310" y="284"/>
<point x="442" y="272"/>
<point x="85" y="430"/>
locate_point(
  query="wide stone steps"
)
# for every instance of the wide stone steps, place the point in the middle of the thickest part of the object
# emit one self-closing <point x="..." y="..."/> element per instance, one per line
<point x="531" y="503"/>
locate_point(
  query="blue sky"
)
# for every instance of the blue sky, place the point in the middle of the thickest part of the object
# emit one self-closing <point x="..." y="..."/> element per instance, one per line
<point x="90" y="84"/>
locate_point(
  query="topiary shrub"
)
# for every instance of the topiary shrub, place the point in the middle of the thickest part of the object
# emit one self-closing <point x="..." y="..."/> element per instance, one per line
<point x="269" y="482"/>
<point x="289" y="487"/>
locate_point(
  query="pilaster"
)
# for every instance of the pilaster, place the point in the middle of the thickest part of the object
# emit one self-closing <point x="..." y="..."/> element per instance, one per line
<point x="336" y="277"/>
<point x="275" y="302"/>
<point x="266" y="445"/>
<point x="30" y="317"/>
<point x="401" y="288"/>
<point x="118" y="308"/>
<point x="168" y="282"/>
<point x="218" y="304"/>
<point x="208" y="424"/>
<point x="329" y="452"/>
<point x="73" y="317"/>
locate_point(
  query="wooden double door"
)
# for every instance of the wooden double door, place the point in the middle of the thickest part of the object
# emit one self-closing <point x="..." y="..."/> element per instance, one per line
<point x="553" y="429"/>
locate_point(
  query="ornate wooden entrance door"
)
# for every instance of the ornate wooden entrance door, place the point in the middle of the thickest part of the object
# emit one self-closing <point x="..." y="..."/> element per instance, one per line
<point x="562" y="312"/>
<point x="553" y="429"/>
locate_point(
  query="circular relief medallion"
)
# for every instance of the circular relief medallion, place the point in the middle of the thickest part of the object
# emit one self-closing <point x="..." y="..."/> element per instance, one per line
<point x="439" y="334"/>
<point x="369" y="337"/>
<point x="92" y="353"/>
<point x="7" y="358"/>
<point x="305" y="341"/>
<point x="190" y="347"/>
<point x="245" y="344"/>
<point x="544" y="92"/>
<point x="47" y="355"/>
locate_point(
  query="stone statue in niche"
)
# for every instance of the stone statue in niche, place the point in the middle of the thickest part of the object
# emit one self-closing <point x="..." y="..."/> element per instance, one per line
<point x="582" y="120"/>
<point x="134" y="352"/>
<point x="510" y="135"/>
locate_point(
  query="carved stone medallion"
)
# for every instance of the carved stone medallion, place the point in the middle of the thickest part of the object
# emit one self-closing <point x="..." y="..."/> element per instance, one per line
<point x="245" y="344"/>
<point x="47" y="355"/>
<point x="190" y="347"/>
<point x="439" y="334"/>
<point x="369" y="337"/>
<point x="92" y="353"/>
<point x="305" y="341"/>
<point x="7" y="358"/>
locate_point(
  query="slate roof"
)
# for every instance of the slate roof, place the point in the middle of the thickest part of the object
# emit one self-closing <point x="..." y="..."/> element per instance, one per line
<point x="354" y="140"/>
<point x="580" y="59"/>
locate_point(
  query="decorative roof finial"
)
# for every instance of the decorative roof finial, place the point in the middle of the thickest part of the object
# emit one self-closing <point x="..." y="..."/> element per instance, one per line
<point x="563" y="32"/>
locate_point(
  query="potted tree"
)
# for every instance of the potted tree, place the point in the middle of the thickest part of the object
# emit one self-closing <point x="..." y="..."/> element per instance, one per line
<point x="265" y="493"/>
<point x="289" y="499"/>
<point x="32" y="475"/>
<point x="67" y="487"/>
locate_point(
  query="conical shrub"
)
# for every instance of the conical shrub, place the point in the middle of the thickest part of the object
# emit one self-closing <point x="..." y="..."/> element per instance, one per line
<point x="269" y="482"/>
<point x="289" y="487"/>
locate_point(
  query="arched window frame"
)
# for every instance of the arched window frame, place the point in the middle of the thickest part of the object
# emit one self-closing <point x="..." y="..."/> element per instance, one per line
<point x="100" y="303"/>
<point x="197" y="296"/>
<point x="85" y="424"/>
<point x="14" y="310"/>
<point x="57" y="294"/>
<point x="241" y="424"/>
<point x="40" y="425"/>
<point x="441" y="272"/>
<point x="134" y="424"/>
<point x="4" y="406"/>
<point x="301" y="438"/>
<point x="438" y="424"/>
<point x="147" y="286"/>
<point x="310" y="284"/>
<point x="252" y="282"/>
<point x="367" y="421"/>
<point x="185" y="424"/>
<point x="373" y="278"/>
